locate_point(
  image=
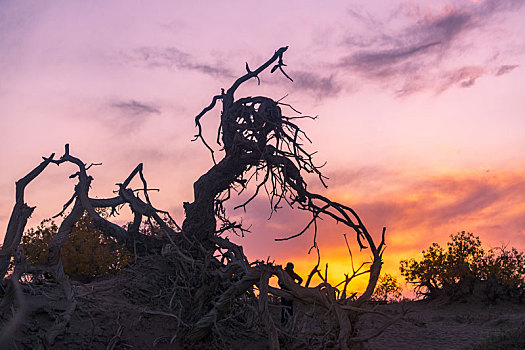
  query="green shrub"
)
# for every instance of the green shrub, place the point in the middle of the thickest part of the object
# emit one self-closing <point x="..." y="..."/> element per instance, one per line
<point x="465" y="269"/>
<point x="87" y="252"/>
<point x="387" y="289"/>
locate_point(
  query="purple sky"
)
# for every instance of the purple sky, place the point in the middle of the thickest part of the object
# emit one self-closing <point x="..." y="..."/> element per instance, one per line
<point x="420" y="103"/>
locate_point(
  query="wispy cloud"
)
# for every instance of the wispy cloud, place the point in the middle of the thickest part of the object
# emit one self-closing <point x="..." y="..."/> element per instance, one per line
<point x="506" y="68"/>
<point x="418" y="56"/>
<point x="463" y="77"/>
<point x="172" y="57"/>
<point x="126" y="115"/>
<point x="315" y="84"/>
<point x="389" y="55"/>
<point x="135" y="109"/>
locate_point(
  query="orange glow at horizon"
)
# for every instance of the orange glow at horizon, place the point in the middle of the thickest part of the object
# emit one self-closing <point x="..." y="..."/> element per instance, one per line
<point x="416" y="214"/>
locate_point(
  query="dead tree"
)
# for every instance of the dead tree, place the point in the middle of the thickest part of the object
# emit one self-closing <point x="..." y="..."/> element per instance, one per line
<point x="259" y="140"/>
<point x="260" y="145"/>
<point x="80" y="202"/>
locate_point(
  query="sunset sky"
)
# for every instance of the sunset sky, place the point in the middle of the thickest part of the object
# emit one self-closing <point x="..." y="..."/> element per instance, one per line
<point x="420" y="105"/>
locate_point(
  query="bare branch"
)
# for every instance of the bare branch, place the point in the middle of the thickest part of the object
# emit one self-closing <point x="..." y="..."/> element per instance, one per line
<point x="21" y="212"/>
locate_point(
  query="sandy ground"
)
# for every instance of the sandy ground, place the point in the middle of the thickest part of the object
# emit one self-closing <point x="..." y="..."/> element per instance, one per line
<point x="444" y="326"/>
<point x="108" y="317"/>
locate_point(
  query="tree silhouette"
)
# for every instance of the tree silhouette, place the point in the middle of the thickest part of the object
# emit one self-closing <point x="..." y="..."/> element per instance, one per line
<point x="465" y="269"/>
<point x="387" y="289"/>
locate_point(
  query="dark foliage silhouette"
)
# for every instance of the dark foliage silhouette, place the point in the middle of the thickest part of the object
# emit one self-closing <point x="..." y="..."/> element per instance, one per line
<point x="387" y="289"/>
<point x="86" y="254"/>
<point x="465" y="269"/>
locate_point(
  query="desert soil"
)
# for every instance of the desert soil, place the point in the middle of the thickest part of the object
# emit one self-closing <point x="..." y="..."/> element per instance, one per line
<point x="109" y="317"/>
<point x="444" y="326"/>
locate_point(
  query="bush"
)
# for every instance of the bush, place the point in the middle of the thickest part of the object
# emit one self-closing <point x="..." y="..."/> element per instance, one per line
<point x="466" y="269"/>
<point x="387" y="289"/>
<point x="87" y="252"/>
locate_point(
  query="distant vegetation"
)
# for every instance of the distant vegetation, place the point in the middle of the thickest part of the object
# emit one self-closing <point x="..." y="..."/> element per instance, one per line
<point x="87" y="253"/>
<point x="387" y="289"/>
<point x="464" y="270"/>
